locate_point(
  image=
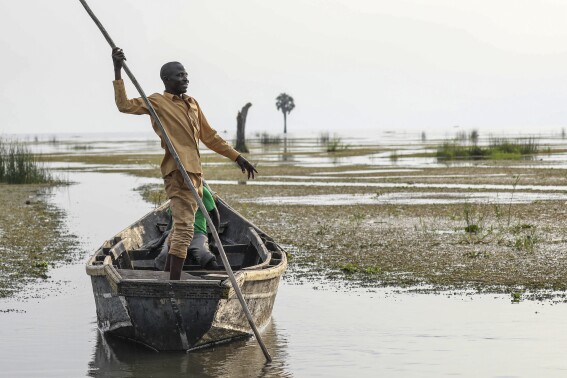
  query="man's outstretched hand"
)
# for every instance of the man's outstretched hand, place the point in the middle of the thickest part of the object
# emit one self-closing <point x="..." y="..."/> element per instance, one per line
<point x="246" y="166"/>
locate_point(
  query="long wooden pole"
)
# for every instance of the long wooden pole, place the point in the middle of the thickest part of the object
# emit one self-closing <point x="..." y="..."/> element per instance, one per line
<point x="189" y="184"/>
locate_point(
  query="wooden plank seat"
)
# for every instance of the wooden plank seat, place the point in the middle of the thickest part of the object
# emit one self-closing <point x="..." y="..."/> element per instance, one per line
<point x="155" y="275"/>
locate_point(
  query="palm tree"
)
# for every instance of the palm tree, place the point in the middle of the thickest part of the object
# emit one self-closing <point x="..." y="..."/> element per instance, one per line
<point x="284" y="102"/>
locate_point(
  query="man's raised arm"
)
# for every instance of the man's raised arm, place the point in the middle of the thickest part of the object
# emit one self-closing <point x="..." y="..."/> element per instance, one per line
<point x="133" y="106"/>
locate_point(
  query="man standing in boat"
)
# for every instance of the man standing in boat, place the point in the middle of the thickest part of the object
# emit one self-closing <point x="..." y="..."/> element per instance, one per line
<point x="185" y="124"/>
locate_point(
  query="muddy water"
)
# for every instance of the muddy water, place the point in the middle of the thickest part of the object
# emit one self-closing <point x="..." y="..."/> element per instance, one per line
<point x="318" y="330"/>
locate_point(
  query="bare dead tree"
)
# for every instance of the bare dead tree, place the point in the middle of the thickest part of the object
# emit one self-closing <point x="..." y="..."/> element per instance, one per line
<point x="240" y="129"/>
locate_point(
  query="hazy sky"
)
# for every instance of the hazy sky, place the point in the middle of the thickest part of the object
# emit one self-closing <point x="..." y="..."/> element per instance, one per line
<point x="349" y="64"/>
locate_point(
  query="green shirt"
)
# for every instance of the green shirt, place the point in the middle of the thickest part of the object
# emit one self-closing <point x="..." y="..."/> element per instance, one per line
<point x="200" y="226"/>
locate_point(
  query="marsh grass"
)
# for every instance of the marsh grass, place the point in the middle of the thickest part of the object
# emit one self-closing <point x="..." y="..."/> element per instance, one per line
<point x="351" y="268"/>
<point x="19" y="166"/>
<point x="497" y="149"/>
<point x="323" y="138"/>
<point x="266" y="138"/>
<point x="80" y="147"/>
<point x="526" y="237"/>
<point x="357" y="218"/>
<point x="409" y="244"/>
<point x="476" y="229"/>
<point x="34" y="238"/>
<point x="335" y="144"/>
<point x="496" y="224"/>
<point x="152" y="193"/>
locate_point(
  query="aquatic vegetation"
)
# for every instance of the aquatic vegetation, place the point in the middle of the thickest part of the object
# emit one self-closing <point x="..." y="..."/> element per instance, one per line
<point x="497" y="149"/>
<point x="349" y="268"/>
<point x="40" y="264"/>
<point x="34" y="238"/>
<point x="527" y="146"/>
<point x="80" y="147"/>
<point x="324" y="138"/>
<point x="472" y="228"/>
<point x="266" y="138"/>
<point x="476" y="254"/>
<point x="323" y="229"/>
<point x="357" y="218"/>
<point x="526" y="238"/>
<point x="153" y="193"/>
<point x="355" y="268"/>
<point x="522" y="227"/>
<point x="481" y="227"/>
<point x="473" y="137"/>
<point x="497" y="245"/>
<point x="335" y="144"/>
<point x="19" y="166"/>
<point x="461" y="135"/>
<point x="514" y="186"/>
<point x="450" y="150"/>
<point x="476" y="229"/>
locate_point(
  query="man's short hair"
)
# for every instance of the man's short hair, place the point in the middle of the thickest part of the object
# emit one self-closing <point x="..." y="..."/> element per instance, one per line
<point x="166" y="69"/>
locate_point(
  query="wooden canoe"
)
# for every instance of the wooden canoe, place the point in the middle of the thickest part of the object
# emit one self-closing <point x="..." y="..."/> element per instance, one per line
<point x="136" y="301"/>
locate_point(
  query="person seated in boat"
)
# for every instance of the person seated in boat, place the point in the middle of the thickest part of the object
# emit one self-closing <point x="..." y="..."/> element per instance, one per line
<point x="199" y="246"/>
<point x="185" y="124"/>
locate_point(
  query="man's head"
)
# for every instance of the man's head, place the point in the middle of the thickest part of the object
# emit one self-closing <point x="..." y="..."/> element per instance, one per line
<point x="174" y="78"/>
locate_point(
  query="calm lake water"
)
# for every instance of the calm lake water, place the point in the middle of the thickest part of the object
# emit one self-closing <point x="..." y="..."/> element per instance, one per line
<point x="317" y="329"/>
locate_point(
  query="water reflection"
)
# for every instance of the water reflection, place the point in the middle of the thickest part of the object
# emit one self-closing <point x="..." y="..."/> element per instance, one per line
<point x="113" y="357"/>
<point x="285" y="155"/>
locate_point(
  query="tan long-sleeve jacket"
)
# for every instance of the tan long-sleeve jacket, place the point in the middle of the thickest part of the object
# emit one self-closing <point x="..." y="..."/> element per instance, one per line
<point x="184" y="122"/>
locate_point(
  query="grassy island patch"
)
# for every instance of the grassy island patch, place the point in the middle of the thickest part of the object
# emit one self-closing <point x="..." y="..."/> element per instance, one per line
<point x="32" y="237"/>
<point x="497" y="149"/>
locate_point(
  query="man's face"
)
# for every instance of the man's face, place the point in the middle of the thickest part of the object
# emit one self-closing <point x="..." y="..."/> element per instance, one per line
<point x="176" y="80"/>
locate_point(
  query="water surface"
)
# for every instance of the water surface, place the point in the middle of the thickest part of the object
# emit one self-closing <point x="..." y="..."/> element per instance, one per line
<point x="318" y="329"/>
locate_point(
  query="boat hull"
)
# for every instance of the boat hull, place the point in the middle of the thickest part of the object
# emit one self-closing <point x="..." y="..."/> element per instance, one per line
<point x="183" y="318"/>
<point x="137" y="302"/>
